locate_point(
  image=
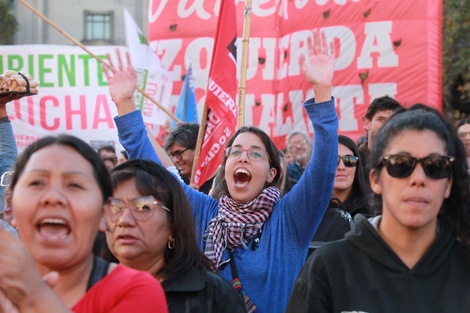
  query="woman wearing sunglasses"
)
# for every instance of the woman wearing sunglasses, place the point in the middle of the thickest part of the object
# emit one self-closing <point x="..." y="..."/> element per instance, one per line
<point x="349" y="195"/>
<point x="414" y="257"/>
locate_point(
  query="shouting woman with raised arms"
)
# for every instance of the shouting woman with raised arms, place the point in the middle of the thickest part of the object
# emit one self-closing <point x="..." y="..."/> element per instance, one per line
<point x="250" y="228"/>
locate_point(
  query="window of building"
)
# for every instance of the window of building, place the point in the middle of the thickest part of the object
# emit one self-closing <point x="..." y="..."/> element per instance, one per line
<point x="99" y="27"/>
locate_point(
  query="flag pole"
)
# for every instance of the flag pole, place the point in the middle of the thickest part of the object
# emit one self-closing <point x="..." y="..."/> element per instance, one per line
<point x="186" y="92"/>
<point x="48" y="21"/>
<point x="200" y="138"/>
<point x="218" y="120"/>
<point x="244" y="64"/>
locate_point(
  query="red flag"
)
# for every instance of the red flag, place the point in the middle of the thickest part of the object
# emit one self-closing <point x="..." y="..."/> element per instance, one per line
<point x="221" y="94"/>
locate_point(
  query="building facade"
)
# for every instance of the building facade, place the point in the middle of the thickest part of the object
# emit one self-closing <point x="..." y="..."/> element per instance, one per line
<point x="91" y="22"/>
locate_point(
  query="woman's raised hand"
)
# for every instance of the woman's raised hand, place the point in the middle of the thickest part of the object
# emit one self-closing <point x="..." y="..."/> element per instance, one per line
<point x="122" y="84"/>
<point x="320" y="66"/>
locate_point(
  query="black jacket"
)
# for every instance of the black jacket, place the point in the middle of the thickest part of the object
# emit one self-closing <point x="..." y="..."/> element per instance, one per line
<point x="202" y="291"/>
<point x="360" y="273"/>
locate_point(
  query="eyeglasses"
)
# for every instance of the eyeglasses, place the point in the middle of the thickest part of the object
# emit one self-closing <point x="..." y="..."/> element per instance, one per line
<point x="348" y="160"/>
<point x="177" y="154"/>
<point x="435" y="166"/>
<point x="463" y="134"/>
<point x="298" y="143"/>
<point x="254" y="154"/>
<point x="141" y="208"/>
<point x="5" y="179"/>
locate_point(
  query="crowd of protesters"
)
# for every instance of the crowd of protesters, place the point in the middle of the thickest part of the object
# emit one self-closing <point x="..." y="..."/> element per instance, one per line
<point x="378" y="227"/>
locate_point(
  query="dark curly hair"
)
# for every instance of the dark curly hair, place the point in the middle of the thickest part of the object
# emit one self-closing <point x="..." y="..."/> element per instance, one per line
<point x="455" y="209"/>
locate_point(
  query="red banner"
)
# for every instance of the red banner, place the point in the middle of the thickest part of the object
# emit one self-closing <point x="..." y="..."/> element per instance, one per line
<point x="221" y="93"/>
<point x="383" y="48"/>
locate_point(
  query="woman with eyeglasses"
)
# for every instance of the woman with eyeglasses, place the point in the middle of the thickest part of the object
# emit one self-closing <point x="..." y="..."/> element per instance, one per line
<point x="150" y="228"/>
<point x="414" y="256"/>
<point x="349" y="195"/>
<point x="252" y="236"/>
<point x="180" y="144"/>
<point x="60" y="190"/>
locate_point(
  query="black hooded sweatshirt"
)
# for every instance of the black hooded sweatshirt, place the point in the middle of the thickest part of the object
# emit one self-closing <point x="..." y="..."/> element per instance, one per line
<point x="360" y="273"/>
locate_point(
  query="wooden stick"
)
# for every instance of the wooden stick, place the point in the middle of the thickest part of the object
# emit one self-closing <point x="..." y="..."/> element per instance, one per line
<point x="48" y="21"/>
<point x="244" y="64"/>
<point x="200" y="139"/>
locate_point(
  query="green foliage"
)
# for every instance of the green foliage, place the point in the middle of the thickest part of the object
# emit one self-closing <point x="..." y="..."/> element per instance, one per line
<point x="456" y="55"/>
<point x="8" y="23"/>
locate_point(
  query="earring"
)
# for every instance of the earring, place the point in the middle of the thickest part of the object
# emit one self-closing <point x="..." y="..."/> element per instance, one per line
<point x="171" y="244"/>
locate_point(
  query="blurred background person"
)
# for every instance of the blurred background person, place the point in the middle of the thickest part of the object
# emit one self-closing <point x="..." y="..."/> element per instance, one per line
<point x="8" y="212"/>
<point x="299" y="145"/>
<point x="108" y="155"/>
<point x="463" y="130"/>
<point x="180" y="145"/>
<point x="349" y="196"/>
<point x="378" y="113"/>
<point x="122" y="157"/>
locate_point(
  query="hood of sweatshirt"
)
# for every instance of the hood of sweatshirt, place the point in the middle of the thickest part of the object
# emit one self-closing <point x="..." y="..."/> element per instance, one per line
<point x="366" y="239"/>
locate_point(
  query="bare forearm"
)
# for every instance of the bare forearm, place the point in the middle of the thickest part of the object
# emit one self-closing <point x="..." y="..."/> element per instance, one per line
<point x="3" y="110"/>
<point x="125" y="106"/>
<point x="45" y="301"/>
<point x="322" y="94"/>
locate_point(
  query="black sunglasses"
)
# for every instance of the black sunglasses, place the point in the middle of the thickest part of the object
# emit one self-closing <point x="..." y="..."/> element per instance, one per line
<point x="401" y="166"/>
<point x="348" y="160"/>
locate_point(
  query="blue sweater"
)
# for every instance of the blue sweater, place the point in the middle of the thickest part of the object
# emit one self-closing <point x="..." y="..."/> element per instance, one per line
<point x="269" y="272"/>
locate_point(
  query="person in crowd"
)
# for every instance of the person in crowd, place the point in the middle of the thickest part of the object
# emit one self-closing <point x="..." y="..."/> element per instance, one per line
<point x="288" y="157"/>
<point x="414" y="256"/>
<point x="67" y="188"/>
<point x="361" y="140"/>
<point x="8" y="149"/>
<point x="299" y="145"/>
<point x="251" y="234"/>
<point x="180" y="145"/>
<point x="8" y="154"/>
<point x="378" y="113"/>
<point x="463" y="130"/>
<point x="5" y="222"/>
<point x="122" y="157"/>
<point x="349" y="195"/>
<point x="157" y="234"/>
<point x="108" y="155"/>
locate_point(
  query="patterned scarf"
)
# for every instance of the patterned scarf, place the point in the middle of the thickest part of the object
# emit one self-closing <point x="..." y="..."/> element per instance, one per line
<point x="236" y="223"/>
